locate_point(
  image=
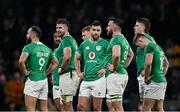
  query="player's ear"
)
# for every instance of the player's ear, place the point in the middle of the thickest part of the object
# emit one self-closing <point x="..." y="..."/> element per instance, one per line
<point x="33" y="35"/>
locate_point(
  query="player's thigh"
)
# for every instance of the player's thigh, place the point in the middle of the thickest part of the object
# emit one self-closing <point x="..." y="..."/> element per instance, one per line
<point x="68" y="84"/>
<point x="109" y="105"/>
<point x="32" y="88"/>
<point x="75" y="79"/>
<point x="141" y="83"/>
<point x="30" y="102"/>
<point x="56" y="92"/>
<point x="97" y="102"/>
<point x="44" y="91"/>
<point x="83" y="101"/>
<point x="116" y="83"/>
<point x="149" y="103"/>
<point x="159" y="105"/>
<point x="85" y="89"/>
<point x="57" y="101"/>
<point x="43" y="105"/>
<point x="155" y="90"/>
<point x="99" y="88"/>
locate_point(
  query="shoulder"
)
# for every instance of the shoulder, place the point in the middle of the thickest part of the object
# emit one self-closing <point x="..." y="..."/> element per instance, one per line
<point x="29" y="46"/>
<point x="68" y="37"/>
<point x="86" y="41"/>
<point x="55" y="50"/>
<point x="119" y="37"/>
<point x="150" y="47"/>
<point x="46" y="47"/>
<point x="104" y="40"/>
<point x="151" y="38"/>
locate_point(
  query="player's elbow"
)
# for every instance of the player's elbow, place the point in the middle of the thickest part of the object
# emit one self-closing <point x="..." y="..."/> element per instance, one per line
<point x="67" y="56"/>
<point x="21" y="62"/>
<point x="77" y="57"/>
<point x="131" y="54"/>
<point x="167" y="64"/>
<point x="55" y="63"/>
<point x="116" y="57"/>
<point x="148" y="63"/>
<point x="67" y="59"/>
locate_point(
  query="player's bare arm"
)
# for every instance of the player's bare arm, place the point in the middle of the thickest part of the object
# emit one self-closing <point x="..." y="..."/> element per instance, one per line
<point x="66" y="59"/>
<point x="77" y="59"/>
<point x="115" y="58"/>
<point x="22" y="66"/>
<point x="166" y="65"/>
<point x="142" y="72"/>
<point x="116" y="53"/>
<point x="52" y="66"/>
<point x="148" y="66"/>
<point x="129" y="58"/>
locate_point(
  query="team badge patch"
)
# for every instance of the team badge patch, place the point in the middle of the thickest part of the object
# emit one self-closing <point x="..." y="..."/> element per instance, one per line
<point x="91" y="55"/>
<point x="98" y="48"/>
<point x="87" y="47"/>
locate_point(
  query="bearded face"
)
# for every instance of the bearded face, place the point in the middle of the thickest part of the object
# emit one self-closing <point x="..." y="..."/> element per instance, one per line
<point x="96" y="32"/>
<point x="57" y="39"/>
<point x="28" y="36"/>
<point x="61" y="29"/>
<point x="109" y="28"/>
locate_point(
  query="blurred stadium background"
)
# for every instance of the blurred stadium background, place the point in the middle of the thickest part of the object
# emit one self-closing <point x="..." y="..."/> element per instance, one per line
<point x="17" y="15"/>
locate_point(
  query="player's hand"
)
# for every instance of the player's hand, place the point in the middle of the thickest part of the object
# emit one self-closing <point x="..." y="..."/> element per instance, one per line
<point x="59" y="71"/>
<point x="142" y="73"/>
<point x="27" y="73"/>
<point x="101" y="72"/>
<point x="110" y="67"/>
<point x="80" y="75"/>
<point x="52" y="82"/>
<point x="148" y="80"/>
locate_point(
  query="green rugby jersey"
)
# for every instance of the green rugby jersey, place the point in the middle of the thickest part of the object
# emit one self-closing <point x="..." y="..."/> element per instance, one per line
<point x="140" y="58"/>
<point x="55" y="72"/>
<point x="93" y="52"/>
<point x="157" y="63"/>
<point x="67" y="41"/>
<point x="39" y="57"/>
<point x="121" y="41"/>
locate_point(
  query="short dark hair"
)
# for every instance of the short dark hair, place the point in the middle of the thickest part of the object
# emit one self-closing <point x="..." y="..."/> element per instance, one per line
<point x="37" y="31"/>
<point x="137" y="36"/>
<point x="63" y="21"/>
<point x="96" y="23"/>
<point x="146" y="23"/>
<point x="117" y="21"/>
<point x="86" y="28"/>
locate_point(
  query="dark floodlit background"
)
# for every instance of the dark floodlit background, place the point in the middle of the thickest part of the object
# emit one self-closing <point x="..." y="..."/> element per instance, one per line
<point x="16" y="16"/>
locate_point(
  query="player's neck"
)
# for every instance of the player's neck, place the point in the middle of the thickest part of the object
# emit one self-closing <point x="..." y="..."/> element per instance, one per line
<point x="117" y="32"/>
<point x="66" y="34"/>
<point x="95" y="40"/>
<point x="35" y="40"/>
<point x="143" y="33"/>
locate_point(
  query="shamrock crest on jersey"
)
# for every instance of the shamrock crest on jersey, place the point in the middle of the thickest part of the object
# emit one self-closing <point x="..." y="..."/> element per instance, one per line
<point x="98" y="48"/>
